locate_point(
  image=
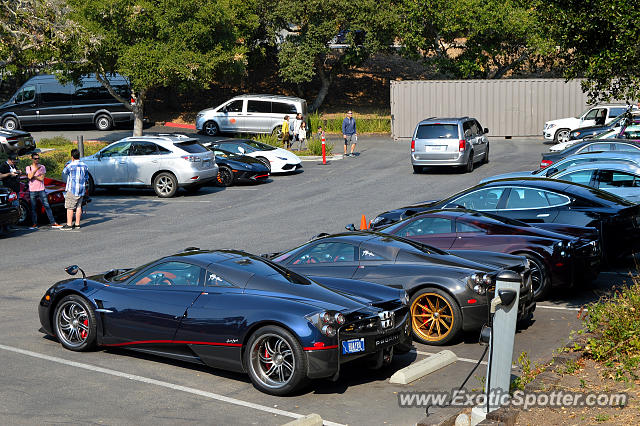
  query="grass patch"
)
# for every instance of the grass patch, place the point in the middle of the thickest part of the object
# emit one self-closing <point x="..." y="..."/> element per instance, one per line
<point x="529" y="372"/>
<point x="370" y="123"/>
<point x="313" y="146"/>
<point x="615" y="321"/>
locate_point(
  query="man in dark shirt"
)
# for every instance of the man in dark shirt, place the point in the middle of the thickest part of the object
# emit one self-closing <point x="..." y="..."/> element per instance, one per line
<point x="9" y="173"/>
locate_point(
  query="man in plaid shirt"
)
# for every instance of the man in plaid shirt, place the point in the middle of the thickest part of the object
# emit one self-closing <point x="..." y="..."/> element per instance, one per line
<point x="76" y="174"/>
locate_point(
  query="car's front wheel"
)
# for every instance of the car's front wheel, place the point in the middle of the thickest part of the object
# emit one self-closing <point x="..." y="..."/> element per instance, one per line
<point x="436" y="318"/>
<point x="275" y="361"/>
<point x="562" y="135"/>
<point x="104" y="122"/>
<point x="10" y="123"/>
<point x="74" y="323"/>
<point x="211" y="128"/>
<point x="91" y="185"/>
<point x="24" y="212"/>
<point x="485" y="160"/>
<point x="165" y="185"/>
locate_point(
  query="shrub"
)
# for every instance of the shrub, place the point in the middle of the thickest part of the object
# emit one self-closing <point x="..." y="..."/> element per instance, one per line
<point x="365" y="124"/>
<point x="57" y="141"/>
<point x="314" y="147"/>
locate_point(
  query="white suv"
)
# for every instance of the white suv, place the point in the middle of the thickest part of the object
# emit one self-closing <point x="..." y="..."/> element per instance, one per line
<point x="250" y="114"/>
<point x="558" y="130"/>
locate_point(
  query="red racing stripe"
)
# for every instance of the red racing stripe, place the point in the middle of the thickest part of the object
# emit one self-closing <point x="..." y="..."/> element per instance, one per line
<point x="177" y="342"/>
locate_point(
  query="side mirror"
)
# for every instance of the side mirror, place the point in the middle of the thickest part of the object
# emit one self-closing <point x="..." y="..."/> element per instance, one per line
<point x="72" y="270"/>
<point x="350" y="227"/>
<point x="486" y="130"/>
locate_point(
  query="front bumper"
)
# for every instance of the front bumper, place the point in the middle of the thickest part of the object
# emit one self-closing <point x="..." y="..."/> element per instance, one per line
<point x="22" y="145"/>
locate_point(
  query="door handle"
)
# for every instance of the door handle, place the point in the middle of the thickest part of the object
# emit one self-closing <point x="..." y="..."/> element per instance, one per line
<point x="543" y="215"/>
<point x="122" y="162"/>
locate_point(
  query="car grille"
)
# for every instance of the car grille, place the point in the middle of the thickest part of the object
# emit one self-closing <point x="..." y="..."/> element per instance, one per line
<point x="359" y="323"/>
<point x="288" y="167"/>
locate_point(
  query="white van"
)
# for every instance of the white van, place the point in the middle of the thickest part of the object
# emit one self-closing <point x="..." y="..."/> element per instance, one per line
<point x="250" y="114"/>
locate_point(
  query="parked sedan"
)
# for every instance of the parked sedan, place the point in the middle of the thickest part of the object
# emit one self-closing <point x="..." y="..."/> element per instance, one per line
<point x="235" y="167"/>
<point x="590" y="145"/>
<point x="556" y="259"/>
<point x="277" y="159"/>
<point x="55" y="195"/>
<point x="536" y="200"/>
<point x="628" y="157"/>
<point x="449" y="291"/>
<point x="233" y="311"/>
<point x="617" y="177"/>
<point x="16" y="141"/>
<point x="163" y="162"/>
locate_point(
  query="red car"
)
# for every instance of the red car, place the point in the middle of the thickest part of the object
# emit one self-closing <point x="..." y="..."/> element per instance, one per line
<point x="560" y="255"/>
<point x="55" y="194"/>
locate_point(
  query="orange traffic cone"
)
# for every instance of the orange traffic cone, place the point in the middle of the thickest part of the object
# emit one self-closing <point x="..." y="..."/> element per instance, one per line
<point x="363" y="223"/>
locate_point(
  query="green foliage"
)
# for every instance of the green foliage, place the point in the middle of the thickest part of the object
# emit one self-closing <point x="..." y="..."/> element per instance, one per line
<point x="314" y="146"/>
<point x="377" y="124"/>
<point x="599" y="40"/>
<point x="529" y="372"/>
<point x="615" y="321"/>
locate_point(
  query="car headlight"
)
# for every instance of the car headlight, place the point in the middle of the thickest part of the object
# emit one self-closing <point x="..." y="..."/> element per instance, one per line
<point x="480" y="282"/>
<point x="199" y="115"/>
<point x="576" y="134"/>
<point x="327" y="322"/>
<point x="551" y="126"/>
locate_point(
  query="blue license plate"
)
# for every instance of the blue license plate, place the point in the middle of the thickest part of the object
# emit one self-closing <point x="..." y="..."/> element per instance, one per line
<point x="353" y="346"/>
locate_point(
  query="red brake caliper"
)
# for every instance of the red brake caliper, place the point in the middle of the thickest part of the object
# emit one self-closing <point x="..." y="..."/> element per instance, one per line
<point x="83" y="333"/>
<point x="266" y="355"/>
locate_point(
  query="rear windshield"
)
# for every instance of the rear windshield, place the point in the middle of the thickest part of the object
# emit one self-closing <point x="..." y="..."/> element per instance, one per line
<point x="437" y="131"/>
<point x="191" y="147"/>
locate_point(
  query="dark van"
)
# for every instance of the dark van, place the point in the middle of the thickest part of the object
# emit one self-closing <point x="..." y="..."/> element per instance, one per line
<point x="43" y="100"/>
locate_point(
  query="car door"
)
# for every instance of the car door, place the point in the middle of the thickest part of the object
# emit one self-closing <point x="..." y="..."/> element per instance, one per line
<point x="596" y="147"/>
<point x="326" y="259"/>
<point x="485" y="199"/>
<point x="55" y="103"/>
<point x="258" y="117"/>
<point x="583" y="177"/>
<point x="144" y="160"/>
<point x="377" y="265"/>
<point x="231" y="116"/>
<point x="532" y="205"/>
<point x="471" y="237"/>
<point x="112" y="165"/>
<point x="432" y="230"/>
<point x="589" y="119"/>
<point x="149" y="307"/>
<point x="622" y="184"/>
<point x="481" y="139"/>
<point x="26" y="105"/>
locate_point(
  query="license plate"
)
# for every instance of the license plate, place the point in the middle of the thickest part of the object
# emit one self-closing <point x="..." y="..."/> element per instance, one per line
<point x="431" y="148"/>
<point x="353" y="346"/>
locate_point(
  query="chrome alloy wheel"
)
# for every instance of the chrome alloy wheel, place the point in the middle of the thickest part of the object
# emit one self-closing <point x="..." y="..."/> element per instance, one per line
<point x="164" y="185"/>
<point x="272" y="361"/>
<point x="73" y="323"/>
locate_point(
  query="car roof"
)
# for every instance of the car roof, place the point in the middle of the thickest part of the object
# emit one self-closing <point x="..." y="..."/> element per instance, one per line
<point x="165" y="139"/>
<point x="47" y="77"/>
<point x="610" y="165"/>
<point x="605" y="154"/>
<point x="269" y="97"/>
<point x="443" y="120"/>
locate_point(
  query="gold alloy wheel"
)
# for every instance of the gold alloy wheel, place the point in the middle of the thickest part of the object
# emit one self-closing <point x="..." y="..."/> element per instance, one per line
<point x="431" y="317"/>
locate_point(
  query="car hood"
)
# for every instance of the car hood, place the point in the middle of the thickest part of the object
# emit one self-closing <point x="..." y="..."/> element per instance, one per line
<point x="290" y="156"/>
<point x="568" y="121"/>
<point x="12" y="133"/>
<point x="497" y="260"/>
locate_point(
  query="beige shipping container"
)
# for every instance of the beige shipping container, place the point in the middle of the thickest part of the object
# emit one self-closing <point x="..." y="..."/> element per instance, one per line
<point x="507" y="107"/>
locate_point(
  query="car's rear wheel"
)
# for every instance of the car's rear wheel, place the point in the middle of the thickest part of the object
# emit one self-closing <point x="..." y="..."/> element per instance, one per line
<point x="74" y="323"/>
<point x="540" y="281"/>
<point x="436" y="318"/>
<point x="24" y="212"/>
<point x="10" y="123"/>
<point x="277" y="132"/>
<point x="275" y="361"/>
<point x="165" y="185"/>
<point x="562" y="135"/>
<point x="265" y="162"/>
<point x="104" y="122"/>
<point x="417" y="169"/>
<point x="469" y="167"/>
<point x="211" y="128"/>
<point x="91" y="185"/>
<point x="225" y="176"/>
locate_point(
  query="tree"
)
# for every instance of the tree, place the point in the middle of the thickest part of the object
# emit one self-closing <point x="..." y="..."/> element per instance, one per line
<point x="600" y="41"/>
<point x="161" y="43"/>
<point x="470" y="38"/>
<point x="304" y="31"/>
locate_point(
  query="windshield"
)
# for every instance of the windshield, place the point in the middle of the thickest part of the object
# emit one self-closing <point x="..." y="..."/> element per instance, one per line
<point x="260" y="146"/>
<point x="130" y="273"/>
<point x="225" y="154"/>
<point x="584" y="112"/>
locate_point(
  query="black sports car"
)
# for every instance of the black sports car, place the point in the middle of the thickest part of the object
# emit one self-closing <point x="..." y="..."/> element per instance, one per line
<point x="230" y="310"/>
<point x="590" y="145"/>
<point x="536" y="200"/>
<point x="448" y="290"/>
<point x="234" y="167"/>
<point x="592" y="131"/>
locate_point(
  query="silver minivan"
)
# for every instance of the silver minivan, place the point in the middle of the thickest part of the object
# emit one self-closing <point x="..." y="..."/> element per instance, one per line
<point x="163" y="162"/>
<point x="449" y="142"/>
<point x="250" y="114"/>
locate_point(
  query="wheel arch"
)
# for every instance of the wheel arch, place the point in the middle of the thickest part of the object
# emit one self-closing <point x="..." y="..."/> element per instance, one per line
<point x="442" y="287"/>
<point x="70" y="291"/>
<point x="102" y="112"/>
<point x="157" y="172"/>
<point x="12" y="115"/>
<point x="258" y="325"/>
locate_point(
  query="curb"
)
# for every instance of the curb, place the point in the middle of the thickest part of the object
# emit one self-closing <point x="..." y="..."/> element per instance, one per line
<point x="179" y="125"/>
<point x="310" y="420"/>
<point x="421" y="368"/>
<point x="319" y="157"/>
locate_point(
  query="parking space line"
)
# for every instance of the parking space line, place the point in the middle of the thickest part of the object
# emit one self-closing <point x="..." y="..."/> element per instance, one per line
<point x="159" y="383"/>
<point x="559" y="308"/>
<point x="473" y="361"/>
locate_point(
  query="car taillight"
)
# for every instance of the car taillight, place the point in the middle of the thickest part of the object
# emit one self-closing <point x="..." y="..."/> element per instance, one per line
<point x="545" y="163"/>
<point x="192" y="158"/>
<point x="12" y="197"/>
<point x="461" y="145"/>
<point x="413" y="145"/>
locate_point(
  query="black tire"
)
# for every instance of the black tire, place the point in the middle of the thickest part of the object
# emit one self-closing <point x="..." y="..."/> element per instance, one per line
<point x="165" y="185"/>
<point x="91" y="185"/>
<point x="104" y="122"/>
<point x="540" y="280"/>
<point x="74" y="323"/>
<point x="11" y="123"/>
<point x="277" y="132"/>
<point x="429" y="331"/>
<point x="417" y="170"/>
<point x="265" y="162"/>
<point x="469" y="167"/>
<point x="211" y="128"/>
<point x="562" y="135"/>
<point x="25" y="213"/>
<point x="485" y="160"/>
<point x="268" y="376"/>
<point x="225" y="176"/>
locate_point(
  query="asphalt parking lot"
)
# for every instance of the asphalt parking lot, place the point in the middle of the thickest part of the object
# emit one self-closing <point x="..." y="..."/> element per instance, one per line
<point x="43" y="383"/>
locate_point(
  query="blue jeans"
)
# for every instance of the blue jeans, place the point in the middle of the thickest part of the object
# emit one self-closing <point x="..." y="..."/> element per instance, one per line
<point x="33" y="195"/>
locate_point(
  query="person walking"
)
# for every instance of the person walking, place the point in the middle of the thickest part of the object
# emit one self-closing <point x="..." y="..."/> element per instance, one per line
<point x="349" y="133"/>
<point x="296" y="127"/>
<point x="9" y="173"/>
<point x="35" y="174"/>
<point x="77" y="174"/>
<point x="286" y="137"/>
<point x="302" y="135"/>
